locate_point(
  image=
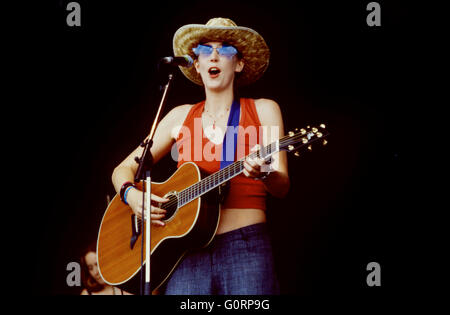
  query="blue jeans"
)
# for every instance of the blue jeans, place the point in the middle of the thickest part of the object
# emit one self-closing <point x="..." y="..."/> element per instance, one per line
<point x="236" y="262"/>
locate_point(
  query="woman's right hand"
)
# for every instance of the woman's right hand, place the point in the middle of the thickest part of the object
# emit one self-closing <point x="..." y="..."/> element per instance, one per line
<point x="134" y="199"/>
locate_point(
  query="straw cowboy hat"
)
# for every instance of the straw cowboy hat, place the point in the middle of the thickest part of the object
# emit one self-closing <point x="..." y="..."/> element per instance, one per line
<point x="249" y="43"/>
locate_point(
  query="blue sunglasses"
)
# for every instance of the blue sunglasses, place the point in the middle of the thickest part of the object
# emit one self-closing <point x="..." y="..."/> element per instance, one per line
<point x="206" y="50"/>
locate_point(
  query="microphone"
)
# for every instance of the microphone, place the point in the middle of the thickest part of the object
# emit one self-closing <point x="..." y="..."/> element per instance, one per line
<point x="183" y="61"/>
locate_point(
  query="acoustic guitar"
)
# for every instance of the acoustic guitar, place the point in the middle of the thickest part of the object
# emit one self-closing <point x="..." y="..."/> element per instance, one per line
<point x="191" y="219"/>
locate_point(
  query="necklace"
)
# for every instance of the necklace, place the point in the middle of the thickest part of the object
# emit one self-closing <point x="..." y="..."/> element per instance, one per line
<point x="214" y="118"/>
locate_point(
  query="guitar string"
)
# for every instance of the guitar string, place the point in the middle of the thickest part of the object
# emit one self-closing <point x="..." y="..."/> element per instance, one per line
<point x="236" y="167"/>
<point x="215" y="179"/>
<point x="233" y="169"/>
<point x="192" y="192"/>
<point x="198" y="188"/>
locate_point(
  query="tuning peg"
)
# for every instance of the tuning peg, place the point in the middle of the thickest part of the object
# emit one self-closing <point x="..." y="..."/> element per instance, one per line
<point x="296" y="153"/>
<point x="319" y="135"/>
<point x="291" y="133"/>
<point x="322" y="126"/>
<point x="324" y="142"/>
<point x="308" y="127"/>
<point x="302" y="131"/>
<point x="304" y="140"/>
<point x="290" y="147"/>
<point x="309" y="148"/>
<point x="315" y="129"/>
<point x="296" y="129"/>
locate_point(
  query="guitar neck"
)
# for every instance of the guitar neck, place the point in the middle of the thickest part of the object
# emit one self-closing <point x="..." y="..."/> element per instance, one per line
<point x="225" y="174"/>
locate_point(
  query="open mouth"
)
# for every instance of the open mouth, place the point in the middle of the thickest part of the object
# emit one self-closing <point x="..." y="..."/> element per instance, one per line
<point x="214" y="72"/>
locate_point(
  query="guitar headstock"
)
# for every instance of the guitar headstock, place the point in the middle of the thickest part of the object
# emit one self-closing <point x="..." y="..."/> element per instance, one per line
<point x="304" y="139"/>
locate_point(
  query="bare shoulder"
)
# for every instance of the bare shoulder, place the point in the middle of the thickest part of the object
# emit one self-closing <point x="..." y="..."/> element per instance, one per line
<point x="268" y="110"/>
<point x="180" y="109"/>
<point x="178" y="114"/>
<point x="265" y="102"/>
<point x="175" y="119"/>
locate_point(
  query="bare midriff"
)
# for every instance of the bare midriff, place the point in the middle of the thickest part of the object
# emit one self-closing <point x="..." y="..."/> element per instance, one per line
<point x="233" y="218"/>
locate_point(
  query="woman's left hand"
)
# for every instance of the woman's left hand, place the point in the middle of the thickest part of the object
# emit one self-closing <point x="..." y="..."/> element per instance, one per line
<point x="253" y="168"/>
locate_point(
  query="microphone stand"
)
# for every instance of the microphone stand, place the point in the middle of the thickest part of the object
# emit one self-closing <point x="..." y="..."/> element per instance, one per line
<point x="143" y="174"/>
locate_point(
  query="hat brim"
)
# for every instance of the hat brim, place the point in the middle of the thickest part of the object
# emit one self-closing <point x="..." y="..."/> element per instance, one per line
<point x="252" y="47"/>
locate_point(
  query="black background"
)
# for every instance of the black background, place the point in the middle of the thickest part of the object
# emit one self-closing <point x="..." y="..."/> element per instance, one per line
<point x="91" y="95"/>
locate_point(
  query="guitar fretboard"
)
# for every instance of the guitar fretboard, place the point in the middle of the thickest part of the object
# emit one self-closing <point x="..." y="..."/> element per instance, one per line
<point x="216" y="179"/>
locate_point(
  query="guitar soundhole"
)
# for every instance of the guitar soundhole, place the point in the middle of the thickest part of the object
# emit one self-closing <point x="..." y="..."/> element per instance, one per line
<point x="170" y="206"/>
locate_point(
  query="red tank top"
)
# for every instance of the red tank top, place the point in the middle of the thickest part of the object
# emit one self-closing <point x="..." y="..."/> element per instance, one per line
<point x="194" y="146"/>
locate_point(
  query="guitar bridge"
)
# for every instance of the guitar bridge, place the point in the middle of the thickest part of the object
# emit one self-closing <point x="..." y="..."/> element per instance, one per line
<point x="135" y="230"/>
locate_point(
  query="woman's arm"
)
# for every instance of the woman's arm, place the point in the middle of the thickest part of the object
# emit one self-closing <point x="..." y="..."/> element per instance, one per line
<point x="277" y="183"/>
<point x="162" y="143"/>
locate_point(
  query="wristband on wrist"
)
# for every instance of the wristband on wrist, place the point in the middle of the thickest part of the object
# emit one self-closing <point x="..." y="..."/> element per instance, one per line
<point x="126" y="193"/>
<point x="123" y="189"/>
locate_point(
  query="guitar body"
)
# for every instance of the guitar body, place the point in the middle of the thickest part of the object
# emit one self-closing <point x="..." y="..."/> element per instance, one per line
<point x="190" y="226"/>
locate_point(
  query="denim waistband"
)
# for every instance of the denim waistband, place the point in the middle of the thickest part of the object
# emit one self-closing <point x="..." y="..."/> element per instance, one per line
<point x="242" y="233"/>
